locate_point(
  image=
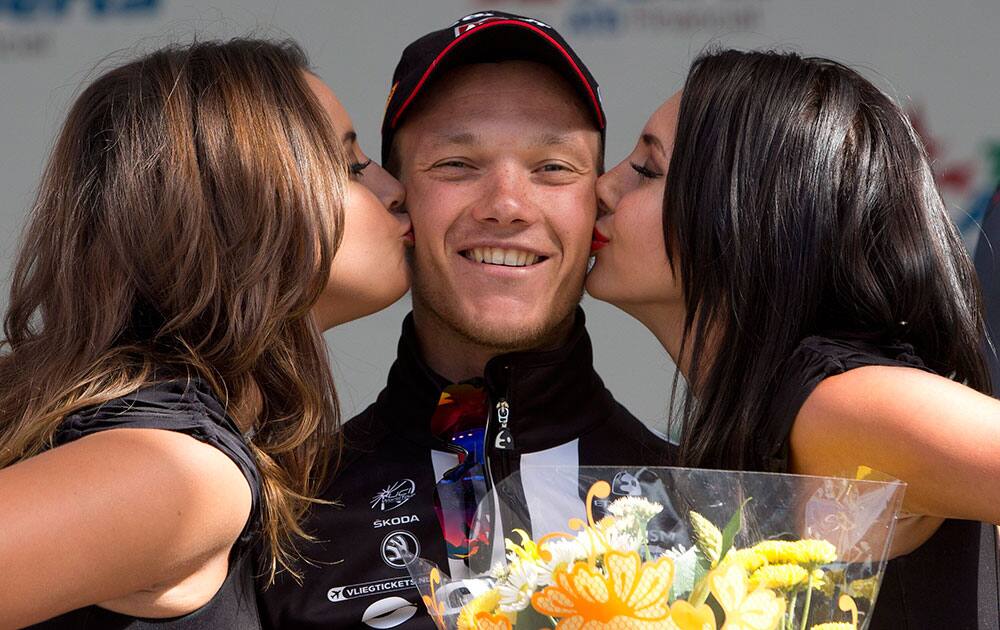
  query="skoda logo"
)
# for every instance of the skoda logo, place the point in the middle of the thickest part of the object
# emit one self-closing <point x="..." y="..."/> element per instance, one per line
<point x="399" y="547"/>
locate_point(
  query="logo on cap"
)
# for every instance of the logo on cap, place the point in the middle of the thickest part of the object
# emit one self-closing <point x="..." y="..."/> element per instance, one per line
<point x="466" y="24"/>
<point x="465" y="28"/>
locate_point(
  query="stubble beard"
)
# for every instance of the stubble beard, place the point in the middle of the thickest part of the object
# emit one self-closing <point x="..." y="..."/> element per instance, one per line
<point x="439" y="303"/>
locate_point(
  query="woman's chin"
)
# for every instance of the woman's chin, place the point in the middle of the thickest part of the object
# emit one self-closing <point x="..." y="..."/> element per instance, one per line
<point x="349" y="305"/>
<point x="601" y="287"/>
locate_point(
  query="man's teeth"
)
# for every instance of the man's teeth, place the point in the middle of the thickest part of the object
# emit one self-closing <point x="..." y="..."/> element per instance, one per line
<point x="498" y="256"/>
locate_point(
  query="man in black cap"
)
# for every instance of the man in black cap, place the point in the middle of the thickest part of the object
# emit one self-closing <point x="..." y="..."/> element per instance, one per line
<point x="495" y="127"/>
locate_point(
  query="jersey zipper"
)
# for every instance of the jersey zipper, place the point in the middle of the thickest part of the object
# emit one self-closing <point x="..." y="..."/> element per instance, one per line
<point x="501" y="463"/>
<point x="504" y="440"/>
<point x="499" y="441"/>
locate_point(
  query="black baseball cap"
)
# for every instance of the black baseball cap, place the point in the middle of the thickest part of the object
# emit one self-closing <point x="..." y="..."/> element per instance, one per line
<point x="484" y="37"/>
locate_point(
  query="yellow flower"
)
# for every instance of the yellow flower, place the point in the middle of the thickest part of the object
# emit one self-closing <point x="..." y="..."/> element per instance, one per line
<point x="486" y="621"/>
<point x="778" y="551"/>
<point x="632" y="595"/>
<point x="865" y="589"/>
<point x="834" y="626"/>
<point x="684" y="616"/>
<point x="527" y="550"/>
<point x="783" y="577"/>
<point x="707" y="537"/>
<point x="749" y="559"/>
<point x="485" y="603"/>
<point x="819" y="580"/>
<point x="760" y="609"/>
<point x="806" y="552"/>
<point x="816" y="552"/>
<point x="827" y="581"/>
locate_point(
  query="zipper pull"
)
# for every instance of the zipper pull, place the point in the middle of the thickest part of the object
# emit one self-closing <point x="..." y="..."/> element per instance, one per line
<point x="505" y="439"/>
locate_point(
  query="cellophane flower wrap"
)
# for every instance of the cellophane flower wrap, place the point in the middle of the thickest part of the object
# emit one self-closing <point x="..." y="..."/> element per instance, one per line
<point x="647" y="548"/>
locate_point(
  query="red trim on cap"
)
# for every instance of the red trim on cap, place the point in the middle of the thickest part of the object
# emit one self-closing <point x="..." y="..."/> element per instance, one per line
<point x="590" y="91"/>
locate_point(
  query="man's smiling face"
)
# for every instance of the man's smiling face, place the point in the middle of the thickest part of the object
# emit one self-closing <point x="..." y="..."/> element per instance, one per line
<point x="499" y="165"/>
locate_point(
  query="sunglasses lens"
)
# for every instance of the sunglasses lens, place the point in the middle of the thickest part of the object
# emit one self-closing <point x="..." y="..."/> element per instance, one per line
<point x="458" y="496"/>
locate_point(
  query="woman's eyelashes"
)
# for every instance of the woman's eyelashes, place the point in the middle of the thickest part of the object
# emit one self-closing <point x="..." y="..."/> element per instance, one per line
<point x="357" y="168"/>
<point x="644" y="171"/>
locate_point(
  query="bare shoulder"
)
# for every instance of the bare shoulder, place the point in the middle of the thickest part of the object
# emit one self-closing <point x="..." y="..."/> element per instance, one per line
<point x="887" y="397"/>
<point x="169" y="474"/>
<point x="129" y="508"/>
<point x="939" y="436"/>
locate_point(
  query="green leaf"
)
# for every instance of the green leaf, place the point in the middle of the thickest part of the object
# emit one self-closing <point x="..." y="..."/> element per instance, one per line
<point x="700" y="591"/>
<point x="731" y="529"/>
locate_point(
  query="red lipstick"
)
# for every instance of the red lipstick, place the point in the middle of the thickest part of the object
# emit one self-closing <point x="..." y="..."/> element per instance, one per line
<point x="598" y="241"/>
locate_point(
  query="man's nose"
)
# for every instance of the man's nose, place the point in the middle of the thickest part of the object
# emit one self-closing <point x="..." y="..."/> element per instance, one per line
<point x="507" y="199"/>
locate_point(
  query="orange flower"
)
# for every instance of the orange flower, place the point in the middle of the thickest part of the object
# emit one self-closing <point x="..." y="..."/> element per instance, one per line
<point x="433" y="606"/>
<point x="487" y="621"/>
<point x="631" y="595"/>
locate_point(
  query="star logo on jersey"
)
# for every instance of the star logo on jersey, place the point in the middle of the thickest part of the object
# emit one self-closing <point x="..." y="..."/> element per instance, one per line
<point x="394" y="495"/>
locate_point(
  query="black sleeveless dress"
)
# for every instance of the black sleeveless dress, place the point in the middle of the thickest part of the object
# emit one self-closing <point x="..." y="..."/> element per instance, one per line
<point x="189" y="407"/>
<point x="948" y="583"/>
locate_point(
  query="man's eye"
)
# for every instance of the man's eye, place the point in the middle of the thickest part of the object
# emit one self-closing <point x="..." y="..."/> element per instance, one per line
<point x="554" y="168"/>
<point x="452" y="164"/>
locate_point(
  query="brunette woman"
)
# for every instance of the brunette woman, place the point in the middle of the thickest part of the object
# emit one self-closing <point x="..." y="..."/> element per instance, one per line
<point x="778" y="229"/>
<point x="166" y="398"/>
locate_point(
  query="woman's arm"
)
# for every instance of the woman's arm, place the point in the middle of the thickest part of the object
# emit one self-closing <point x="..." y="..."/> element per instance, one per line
<point x="111" y="514"/>
<point x="940" y="437"/>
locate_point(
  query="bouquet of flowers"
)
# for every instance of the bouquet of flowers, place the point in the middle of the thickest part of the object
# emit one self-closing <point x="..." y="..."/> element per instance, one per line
<point x="677" y="549"/>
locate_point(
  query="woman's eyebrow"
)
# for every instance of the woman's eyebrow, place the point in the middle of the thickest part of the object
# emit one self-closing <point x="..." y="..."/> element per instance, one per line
<point x="653" y="141"/>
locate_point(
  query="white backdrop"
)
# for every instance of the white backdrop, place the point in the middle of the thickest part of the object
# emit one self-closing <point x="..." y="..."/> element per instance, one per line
<point x="938" y="57"/>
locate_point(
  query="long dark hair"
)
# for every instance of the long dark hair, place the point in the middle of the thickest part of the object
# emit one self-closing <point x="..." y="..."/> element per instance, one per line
<point x="185" y="226"/>
<point x="800" y="201"/>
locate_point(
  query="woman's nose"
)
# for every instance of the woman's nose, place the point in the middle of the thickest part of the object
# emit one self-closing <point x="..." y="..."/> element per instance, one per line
<point x="386" y="187"/>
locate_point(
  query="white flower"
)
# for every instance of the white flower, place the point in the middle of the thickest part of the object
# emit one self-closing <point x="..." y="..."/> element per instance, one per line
<point x="499" y="571"/>
<point x="560" y="552"/>
<point x="685" y="569"/>
<point x="675" y="552"/>
<point x="643" y="510"/>
<point x="516" y="590"/>
<point x="592" y="542"/>
<point x="624" y="536"/>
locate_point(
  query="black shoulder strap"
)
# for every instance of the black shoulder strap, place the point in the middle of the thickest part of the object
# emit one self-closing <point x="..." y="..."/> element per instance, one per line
<point x="989" y="577"/>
